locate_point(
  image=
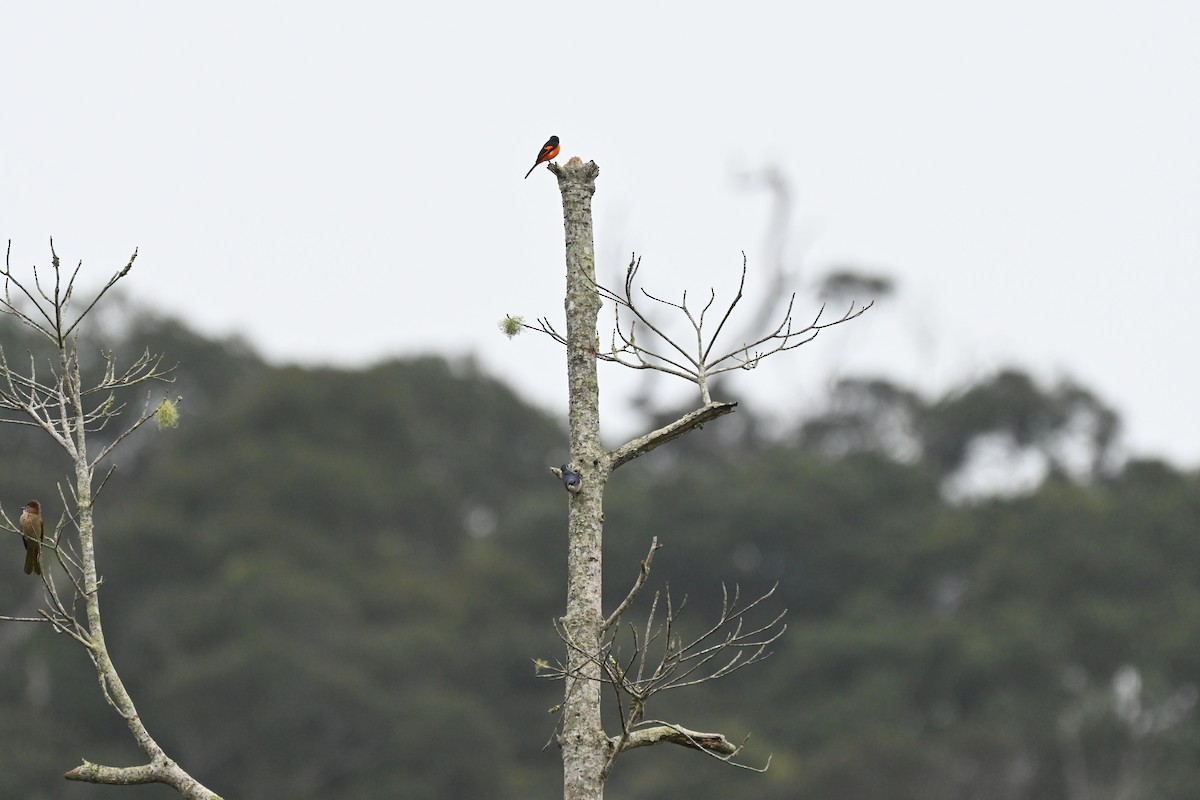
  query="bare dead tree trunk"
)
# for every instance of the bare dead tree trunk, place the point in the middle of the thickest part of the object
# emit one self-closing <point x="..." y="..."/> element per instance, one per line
<point x="592" y="651"/>
<point x="584" y="744"/>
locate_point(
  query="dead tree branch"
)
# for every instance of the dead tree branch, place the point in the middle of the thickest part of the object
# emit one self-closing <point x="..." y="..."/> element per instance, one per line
<point x="685" y="424"/>
<point x="643" y="573"/>
<point x="698" y="361"/>
<point x="660" y="658"/>
<point x="57" y="401"/>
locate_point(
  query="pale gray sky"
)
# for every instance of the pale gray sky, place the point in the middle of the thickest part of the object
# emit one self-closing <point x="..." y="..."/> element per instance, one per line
<point x="342" y="182"/>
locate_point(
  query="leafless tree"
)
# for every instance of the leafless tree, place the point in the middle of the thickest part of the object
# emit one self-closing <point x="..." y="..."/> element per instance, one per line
<point x="50" y="394"/>
<point x="659" y="658"/>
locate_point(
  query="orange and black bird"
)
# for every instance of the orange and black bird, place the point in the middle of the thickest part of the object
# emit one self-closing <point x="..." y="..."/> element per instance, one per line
<point x="549" y="150"/>
<point x="32" y="530"/>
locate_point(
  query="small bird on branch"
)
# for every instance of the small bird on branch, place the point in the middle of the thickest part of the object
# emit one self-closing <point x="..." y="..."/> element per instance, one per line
<point x="32" y="532"/>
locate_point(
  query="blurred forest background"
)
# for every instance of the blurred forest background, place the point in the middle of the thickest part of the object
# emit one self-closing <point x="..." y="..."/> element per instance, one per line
<point x="332" y="583"/>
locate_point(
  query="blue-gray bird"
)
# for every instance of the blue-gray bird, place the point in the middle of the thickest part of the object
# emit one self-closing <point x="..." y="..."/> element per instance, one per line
<point x="571" y="480"/>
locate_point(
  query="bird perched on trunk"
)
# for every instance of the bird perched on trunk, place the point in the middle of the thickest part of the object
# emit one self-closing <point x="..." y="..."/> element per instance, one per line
<point x="549" y="150"/>
<point x="32" y="530"/>
<point x="571" y="480"/>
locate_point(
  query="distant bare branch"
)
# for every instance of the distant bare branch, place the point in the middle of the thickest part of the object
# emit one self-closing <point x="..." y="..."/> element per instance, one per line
<point x="677" y="734"/>
<point x="643" y="572"/>
<point x="700" y="366"/>
<point x="688" y="422"/>
<point x="714" y="744"/>
<point x="718" y="651"/>
<point x="641" y="342"/>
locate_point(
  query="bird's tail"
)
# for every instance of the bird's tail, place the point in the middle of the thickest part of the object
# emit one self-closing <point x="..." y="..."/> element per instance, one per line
<point x="531" y="169"/>
<point x="32" y="563"/>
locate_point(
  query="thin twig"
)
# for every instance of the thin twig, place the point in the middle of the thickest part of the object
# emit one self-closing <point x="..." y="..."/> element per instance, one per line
<point x="643" y="572"/>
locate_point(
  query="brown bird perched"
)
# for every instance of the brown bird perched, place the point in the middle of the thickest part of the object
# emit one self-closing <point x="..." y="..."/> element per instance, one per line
<point x="33" y="531"/>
